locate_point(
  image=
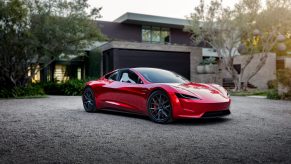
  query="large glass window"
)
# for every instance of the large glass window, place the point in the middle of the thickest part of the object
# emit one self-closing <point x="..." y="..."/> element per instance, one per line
<point x="146" y="34"/>
<point x="60" y="73"/>
<point x="165" y="35"/>
<point x="79" y="73"/>
<point x="155" y="34"/>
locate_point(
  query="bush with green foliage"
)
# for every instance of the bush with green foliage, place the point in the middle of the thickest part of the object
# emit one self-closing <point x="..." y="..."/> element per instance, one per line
<point x="41" y="31"/>
<point x="73" y="87"/>
<point x="284" y="79"/>
<point x="250" y="92"/>
<point x="207" y="61"/>
<point x="16" y="92"/>
<point x="273" y="94"/>
<point x="70" y="88"/>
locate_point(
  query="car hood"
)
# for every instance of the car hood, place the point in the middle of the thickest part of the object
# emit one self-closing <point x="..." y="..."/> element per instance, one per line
<point x="203" y="91"/>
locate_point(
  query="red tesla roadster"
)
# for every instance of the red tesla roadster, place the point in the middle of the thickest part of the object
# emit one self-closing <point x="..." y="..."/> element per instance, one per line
<point x="160" y="94"/>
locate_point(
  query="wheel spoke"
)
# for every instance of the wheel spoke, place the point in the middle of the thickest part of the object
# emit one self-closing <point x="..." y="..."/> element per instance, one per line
<point x="90" y="102"/>
<point x="164" y="113"/>
<point x="166" y="101"/>
<point x="154" y="112"/>
<point x="155" y="102"/>
<point x="160" y="99"/>
<point x="89" y="95"/>
<point x="159" y="115"/>
<point x="166" y="106"/>
<point x="86" y="97"/>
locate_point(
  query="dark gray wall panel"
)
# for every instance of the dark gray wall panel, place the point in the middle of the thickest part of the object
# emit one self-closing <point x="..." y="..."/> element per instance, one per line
<point x="175" y="61"/>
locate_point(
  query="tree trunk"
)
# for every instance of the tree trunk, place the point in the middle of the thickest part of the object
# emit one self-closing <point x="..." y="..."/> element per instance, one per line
<point x="263" y="60"/>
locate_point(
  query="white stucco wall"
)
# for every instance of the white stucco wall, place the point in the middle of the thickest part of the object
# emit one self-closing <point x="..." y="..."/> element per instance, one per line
<point x="267" y="72"/>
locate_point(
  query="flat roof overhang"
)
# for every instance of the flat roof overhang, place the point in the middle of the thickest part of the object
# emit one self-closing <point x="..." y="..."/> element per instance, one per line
<point x="145" y="46"/>
<point x="143" y="19"/>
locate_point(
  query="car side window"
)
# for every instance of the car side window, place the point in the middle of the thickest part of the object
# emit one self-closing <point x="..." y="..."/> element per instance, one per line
<point x="130" y="77"/>
<point x="113" y="76"/>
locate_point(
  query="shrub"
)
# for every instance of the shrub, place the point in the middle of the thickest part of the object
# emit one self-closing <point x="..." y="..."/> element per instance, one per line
<point x="273" y="94"/>
<point x="51" y="88"/>
<point x="71" y="87"/>
<point x="272" y="84"/>
<point x="284" y="79"/>
<point x="16" y="92"/>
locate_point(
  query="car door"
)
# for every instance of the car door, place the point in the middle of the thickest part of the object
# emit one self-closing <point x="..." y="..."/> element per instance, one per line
<point x="132" y="91"/>
<point x="109" y="95"/>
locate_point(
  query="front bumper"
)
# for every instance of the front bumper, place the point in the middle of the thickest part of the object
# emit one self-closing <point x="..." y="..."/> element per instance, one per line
<point x="214" y="114"/>
<point x="187" y="108"/>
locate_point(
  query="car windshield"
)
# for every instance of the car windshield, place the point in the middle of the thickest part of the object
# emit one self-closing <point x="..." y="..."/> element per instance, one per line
<point x="155" y="75"/>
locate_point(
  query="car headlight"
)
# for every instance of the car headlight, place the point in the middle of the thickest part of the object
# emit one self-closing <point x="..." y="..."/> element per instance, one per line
<point x="180" y="95"/>
<point x="221" y="89"/>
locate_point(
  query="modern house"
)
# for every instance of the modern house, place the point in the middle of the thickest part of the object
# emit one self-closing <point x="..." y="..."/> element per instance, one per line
<point x="139" y="40"/>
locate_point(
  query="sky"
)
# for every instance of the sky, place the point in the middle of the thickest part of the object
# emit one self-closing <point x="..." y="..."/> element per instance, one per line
<point x="112" y="9"/>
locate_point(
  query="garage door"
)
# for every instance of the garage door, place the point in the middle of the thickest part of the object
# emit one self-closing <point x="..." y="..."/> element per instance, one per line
<point x="175" y="61"/>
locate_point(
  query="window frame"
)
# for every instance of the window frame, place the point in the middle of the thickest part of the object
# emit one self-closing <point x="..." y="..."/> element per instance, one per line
<point x="107" y="76"/>
<point x="151" y="30"/>
<point x="120" y="72"/>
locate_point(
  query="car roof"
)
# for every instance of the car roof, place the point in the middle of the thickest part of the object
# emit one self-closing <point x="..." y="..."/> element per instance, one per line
<point x="146" y="68"/>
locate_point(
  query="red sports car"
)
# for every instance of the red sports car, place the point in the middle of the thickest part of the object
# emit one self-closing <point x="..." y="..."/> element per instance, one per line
<point x="160" y="94"/>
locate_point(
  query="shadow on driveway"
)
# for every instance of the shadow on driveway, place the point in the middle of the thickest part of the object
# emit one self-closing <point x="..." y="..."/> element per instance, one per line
<point x="191" y="122"/>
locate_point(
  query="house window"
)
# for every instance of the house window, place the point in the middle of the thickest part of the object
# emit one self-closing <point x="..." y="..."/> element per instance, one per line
<point x="155" y="34"/>
<point x="146" y="34"/>
<point x="79" y="73"/>
<point x="60" y="73"/>
<point x="165" y="35"/>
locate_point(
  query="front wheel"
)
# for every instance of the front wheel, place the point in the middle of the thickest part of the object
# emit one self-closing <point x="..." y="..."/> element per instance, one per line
<point x="159" y="107"/>
<point x="89" y="100"/>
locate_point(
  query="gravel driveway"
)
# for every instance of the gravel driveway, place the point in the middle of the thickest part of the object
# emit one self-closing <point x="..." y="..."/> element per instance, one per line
<point x="57" y="130"/>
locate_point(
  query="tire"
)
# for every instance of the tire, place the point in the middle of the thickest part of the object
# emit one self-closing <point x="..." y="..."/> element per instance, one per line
<point x="88" y="98"/>
<point x="159" y="107"/>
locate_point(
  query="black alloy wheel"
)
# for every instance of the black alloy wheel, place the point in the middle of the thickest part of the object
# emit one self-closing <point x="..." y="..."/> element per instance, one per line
<point x="159" y="107"/>
<point x="89" y="100"/>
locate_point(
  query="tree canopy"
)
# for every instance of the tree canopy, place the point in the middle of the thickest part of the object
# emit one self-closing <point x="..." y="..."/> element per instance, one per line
<point x="38" y="31"/>
<point x="248" y="28"/>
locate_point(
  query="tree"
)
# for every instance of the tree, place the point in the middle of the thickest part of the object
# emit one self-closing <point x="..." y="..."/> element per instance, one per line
<point x="248" y="28"/>
<point x="34" y="32"/>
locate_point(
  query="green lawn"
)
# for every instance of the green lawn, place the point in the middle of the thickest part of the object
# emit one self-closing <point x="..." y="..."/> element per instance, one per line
<point x="251" y="92"/>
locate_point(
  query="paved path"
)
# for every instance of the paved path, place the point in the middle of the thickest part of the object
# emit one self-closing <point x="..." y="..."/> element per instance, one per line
<point x="57" y="130"/>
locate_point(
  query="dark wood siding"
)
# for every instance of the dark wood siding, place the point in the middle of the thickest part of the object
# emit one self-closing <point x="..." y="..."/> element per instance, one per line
<point x="107" y="60"/>
<point x="120" y="31"/>
<point x="178" y="36"/>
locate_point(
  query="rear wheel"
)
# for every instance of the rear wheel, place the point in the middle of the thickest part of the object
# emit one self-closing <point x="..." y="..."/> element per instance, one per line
<point x="89" y="100"/>
<point x="159" y="107"/>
